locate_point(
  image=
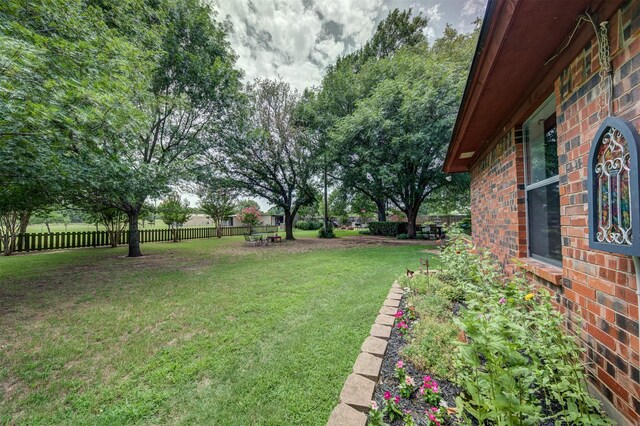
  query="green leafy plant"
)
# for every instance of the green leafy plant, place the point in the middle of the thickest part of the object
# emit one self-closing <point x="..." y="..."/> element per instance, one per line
<point x="375" y="415"/>
<point x="406" y="387"/>
<point x="391" y="409"/>
<point x="516" y="357"/>
<point x="430" y="391"/>
<point x="402" y="236"/>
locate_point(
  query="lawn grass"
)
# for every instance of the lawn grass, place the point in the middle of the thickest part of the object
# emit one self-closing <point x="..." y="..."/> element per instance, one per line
<point x="198" y="332"/>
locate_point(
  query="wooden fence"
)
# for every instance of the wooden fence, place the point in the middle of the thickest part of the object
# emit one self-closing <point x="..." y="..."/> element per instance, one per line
<point x="66" y="240"/>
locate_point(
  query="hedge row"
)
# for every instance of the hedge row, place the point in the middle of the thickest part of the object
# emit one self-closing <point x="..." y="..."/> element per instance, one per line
<point x="310" y="225"/>
<point x="388" y="229"/>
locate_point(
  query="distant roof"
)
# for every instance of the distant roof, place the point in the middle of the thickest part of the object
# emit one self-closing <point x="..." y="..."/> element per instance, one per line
<point x="508" y="78"/>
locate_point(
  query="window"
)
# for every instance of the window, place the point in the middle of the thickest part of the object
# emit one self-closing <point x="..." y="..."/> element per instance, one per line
<point x="541" y="185"/>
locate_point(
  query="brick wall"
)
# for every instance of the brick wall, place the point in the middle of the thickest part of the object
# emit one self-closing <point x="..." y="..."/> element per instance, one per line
<point x="497" y="201"/>
<point x="597" y="289"/>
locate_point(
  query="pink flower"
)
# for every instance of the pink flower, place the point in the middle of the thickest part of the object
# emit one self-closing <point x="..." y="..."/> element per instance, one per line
<point x="502" y="301"/>
<point x="434" y="409"/>
<point x="399" y="364"/>
<point x="374" y="405"/>
<point x="387" y="395"/>
<point x="421" y="390"/>
<point x="396" y="399"/>
<point x="409" y="380"/>
<point x="426" y="379"/>
<point x="399" y="314"/>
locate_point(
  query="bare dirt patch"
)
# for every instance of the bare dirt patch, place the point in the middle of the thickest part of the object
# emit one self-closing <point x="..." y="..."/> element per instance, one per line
<point x="302" y="245"/>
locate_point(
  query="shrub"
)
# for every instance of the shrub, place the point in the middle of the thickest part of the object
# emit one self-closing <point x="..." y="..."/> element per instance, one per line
<point x="310" y="225"/>
<point x="402" y="236"/>
<point x="326" y="233"/>
<point x="388" y="229"/>
<point x="365" y="232"/>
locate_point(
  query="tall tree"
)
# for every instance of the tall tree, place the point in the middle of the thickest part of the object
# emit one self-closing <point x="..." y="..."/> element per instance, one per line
<point x="190" y="87"/>
<point x="400" y="131"/>
<point x="270" y="156"/>
<point x="64" y="78"/>
<point x="351" y="79"/>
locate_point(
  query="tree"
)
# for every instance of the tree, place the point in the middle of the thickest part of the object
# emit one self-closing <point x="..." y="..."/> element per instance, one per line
<point x="247" y="202"/>
<point x="174" y="212"/>
<point x="250" y="216"/>
<point x="114" y="221"/>
<point x="453" y="197"/>
<point x="218" y="204"/>
<point x="269" y="156"/>
<point x="400" y="131"/>
<point x="189" y="84"/>
<point x="345" y="83"/>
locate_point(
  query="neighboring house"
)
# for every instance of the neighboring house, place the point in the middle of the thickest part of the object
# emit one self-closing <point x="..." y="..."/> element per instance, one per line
<point x="198" y="220"/>
<point x="265" y="219"/>
<point x="533" y="103"/>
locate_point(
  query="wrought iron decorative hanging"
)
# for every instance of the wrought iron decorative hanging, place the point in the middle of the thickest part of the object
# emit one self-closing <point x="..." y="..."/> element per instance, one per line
<point x="614" y="186"/>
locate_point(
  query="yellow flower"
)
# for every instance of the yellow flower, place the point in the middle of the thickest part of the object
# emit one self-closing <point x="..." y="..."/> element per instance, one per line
<point x="529" y="296"/>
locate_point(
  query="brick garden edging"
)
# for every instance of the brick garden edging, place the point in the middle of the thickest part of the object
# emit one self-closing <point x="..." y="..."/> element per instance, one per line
<point x="357" y="392"/>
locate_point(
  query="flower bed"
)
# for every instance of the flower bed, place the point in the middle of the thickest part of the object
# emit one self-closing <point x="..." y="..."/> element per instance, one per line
<point x="512" y="363"/>
<point x="418" y="405"/>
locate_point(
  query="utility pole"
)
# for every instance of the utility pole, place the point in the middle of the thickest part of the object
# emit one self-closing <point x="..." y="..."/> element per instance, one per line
<point x="326" y="202"/>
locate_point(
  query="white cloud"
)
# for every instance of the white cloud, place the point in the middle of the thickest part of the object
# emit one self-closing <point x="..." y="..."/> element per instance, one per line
<point x="288" y="38"/>
<point x="297" y="39"/>
<point x="473" y="8"/>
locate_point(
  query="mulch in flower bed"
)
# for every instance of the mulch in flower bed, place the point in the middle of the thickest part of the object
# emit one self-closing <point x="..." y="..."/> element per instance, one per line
<point x="388" y="381"/>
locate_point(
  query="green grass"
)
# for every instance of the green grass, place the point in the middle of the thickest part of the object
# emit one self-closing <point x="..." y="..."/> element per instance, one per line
<point x="198" y="332"/>
<point x="81" y="227"/>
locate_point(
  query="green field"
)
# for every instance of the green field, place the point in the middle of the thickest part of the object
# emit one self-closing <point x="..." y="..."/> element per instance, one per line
<point x="197" y="332"/>
<point x="82" y="227"/>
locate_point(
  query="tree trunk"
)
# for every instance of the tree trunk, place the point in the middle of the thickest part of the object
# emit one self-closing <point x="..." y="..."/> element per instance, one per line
<point x="25" y="216"/>
<point x="411" y="218"/>
<point x="288" y="225"/>
<point x="219" y="229"/>
<point x="134" y="235"/>
<point x="382" y="210"/>
<point x="8" y="231"/>
<point x="24" y="221"/>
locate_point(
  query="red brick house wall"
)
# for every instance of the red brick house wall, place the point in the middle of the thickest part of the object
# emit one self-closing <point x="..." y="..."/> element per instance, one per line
<point x="596" y="287"/>
<point x="497" y="201"/>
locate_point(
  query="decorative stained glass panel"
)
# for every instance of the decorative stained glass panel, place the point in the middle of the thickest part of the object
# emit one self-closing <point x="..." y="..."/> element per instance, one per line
<point x="613" y="172"/>
<point x="614" y="202"/>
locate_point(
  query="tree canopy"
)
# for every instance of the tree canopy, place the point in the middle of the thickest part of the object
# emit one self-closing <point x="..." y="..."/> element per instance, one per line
<point x="387" y="117"/>
<point x="269" y="155"/>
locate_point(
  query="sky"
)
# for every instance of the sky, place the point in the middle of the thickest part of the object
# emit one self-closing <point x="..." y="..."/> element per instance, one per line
<point x="297" y="39"/>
